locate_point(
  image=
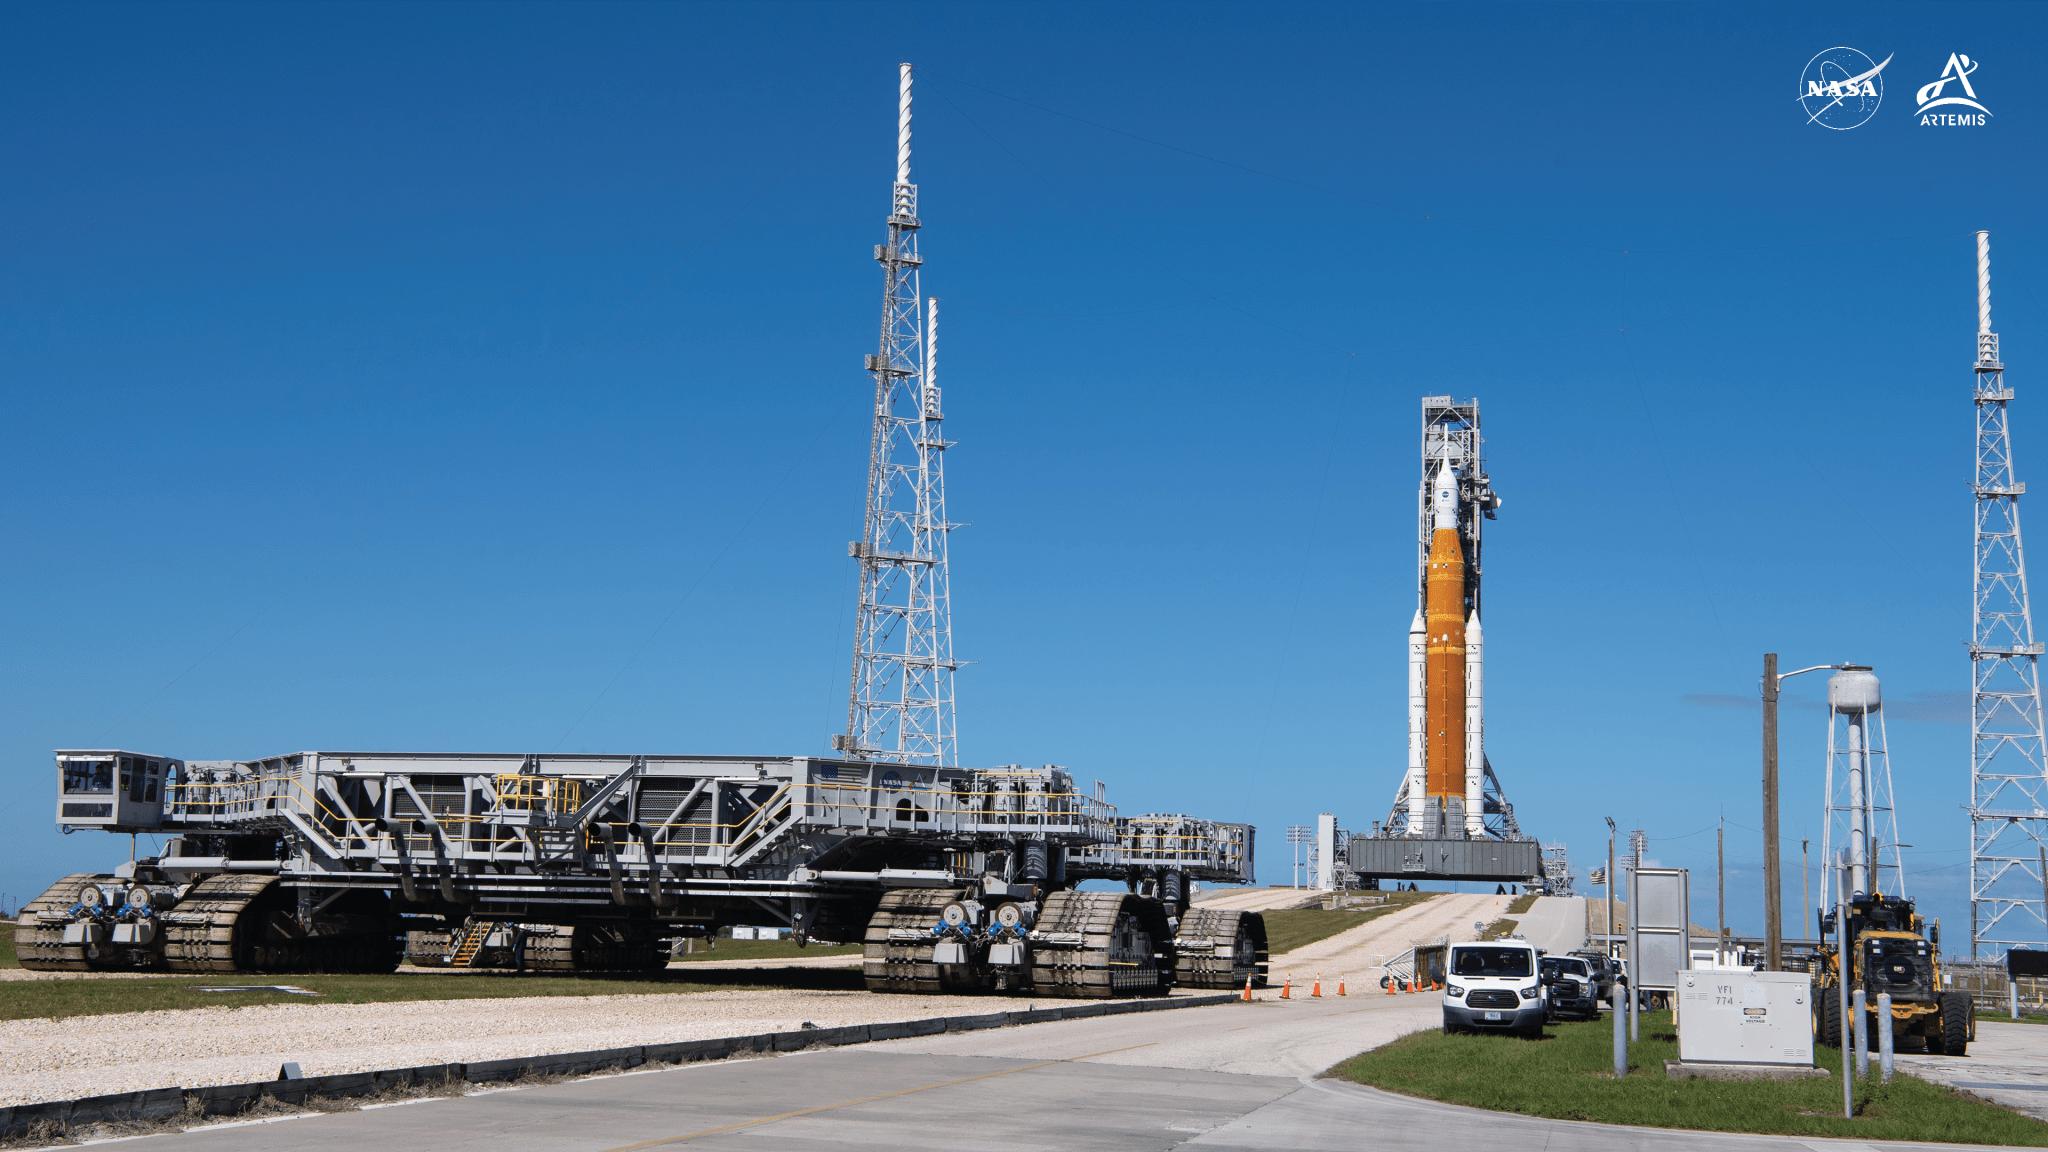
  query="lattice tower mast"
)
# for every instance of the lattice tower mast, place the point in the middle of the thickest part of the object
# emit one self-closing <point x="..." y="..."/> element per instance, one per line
<point x="901" y="704"/>
<point x="2008" y="789"/>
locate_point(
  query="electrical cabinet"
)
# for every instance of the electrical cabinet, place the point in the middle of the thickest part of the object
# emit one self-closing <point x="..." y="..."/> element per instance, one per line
<point x="1745" y="1017"/>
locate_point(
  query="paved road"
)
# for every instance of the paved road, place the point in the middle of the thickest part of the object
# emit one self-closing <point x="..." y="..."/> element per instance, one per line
<point x="2007" y="1063"/>
<point x="1359" y="952"/>
<point x="1237" y="1078"/>
<point x="1257" y="899"/>
<point x="1555" y="923"/>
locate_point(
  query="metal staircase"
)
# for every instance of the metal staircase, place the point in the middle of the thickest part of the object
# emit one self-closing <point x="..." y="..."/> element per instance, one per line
<point x="469" y="942"/>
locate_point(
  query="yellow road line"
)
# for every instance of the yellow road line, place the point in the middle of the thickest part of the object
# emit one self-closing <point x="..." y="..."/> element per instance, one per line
<point x="865" y="1100"/>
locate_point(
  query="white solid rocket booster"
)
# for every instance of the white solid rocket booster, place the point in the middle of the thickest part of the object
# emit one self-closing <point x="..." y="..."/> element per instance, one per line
<point x="1475" y="731"/>
<point x="1418" y="722"/>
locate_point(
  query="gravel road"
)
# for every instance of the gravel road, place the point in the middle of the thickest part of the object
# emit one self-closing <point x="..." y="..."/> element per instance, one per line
<point x="93" y="1055"/>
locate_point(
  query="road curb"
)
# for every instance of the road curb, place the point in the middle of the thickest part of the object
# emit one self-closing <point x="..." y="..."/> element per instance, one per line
<point x="158" y="1104"/>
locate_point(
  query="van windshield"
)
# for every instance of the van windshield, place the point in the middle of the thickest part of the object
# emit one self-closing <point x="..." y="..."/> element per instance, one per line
<point x="1490" y="961"/>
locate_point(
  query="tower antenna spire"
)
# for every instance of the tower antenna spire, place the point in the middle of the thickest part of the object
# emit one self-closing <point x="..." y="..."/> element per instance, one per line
<point x="900" y="705"/>
<point x="2008" y="752"/>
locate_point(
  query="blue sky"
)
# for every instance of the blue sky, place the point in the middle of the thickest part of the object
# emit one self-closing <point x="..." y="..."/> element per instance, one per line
<point x="488" y="377"/>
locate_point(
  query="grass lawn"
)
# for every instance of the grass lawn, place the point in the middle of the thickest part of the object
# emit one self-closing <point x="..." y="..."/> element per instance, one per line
<point x="7" y="959"/>
<point x="47" y="999"/>
<point x="729" y="950"/>
<point x="1568" y="1075"/>
<point x="1290" y="929"/>
<point x="2002" y="1017"/>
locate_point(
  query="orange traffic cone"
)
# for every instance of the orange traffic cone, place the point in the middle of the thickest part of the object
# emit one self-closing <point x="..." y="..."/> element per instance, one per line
<point x="1340" y="983"/>
<point x="1388" y="983"/>
<point x="1247" y="988"/>
<point x="1287" y="989"/>
<point x="1316" y="992"/>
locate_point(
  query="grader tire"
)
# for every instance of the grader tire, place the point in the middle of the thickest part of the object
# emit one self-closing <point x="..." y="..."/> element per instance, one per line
<point x="1830" y="1018"/>
<point x="1954" y="1030"/>
<point x="40" y="947"/>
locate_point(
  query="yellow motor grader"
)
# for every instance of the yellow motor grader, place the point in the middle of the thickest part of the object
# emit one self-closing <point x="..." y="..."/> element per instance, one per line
<point x="1889" y="948"/>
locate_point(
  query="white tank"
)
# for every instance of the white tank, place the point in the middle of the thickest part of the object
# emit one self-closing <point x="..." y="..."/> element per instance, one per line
<point x="1854" y="690"/>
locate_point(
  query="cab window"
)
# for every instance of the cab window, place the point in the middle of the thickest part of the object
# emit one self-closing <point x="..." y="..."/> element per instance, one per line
<point x="82" y="777"/>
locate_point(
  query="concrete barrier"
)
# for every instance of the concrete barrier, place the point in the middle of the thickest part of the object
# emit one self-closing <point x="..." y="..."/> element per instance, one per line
<point x="160" y="1104"/>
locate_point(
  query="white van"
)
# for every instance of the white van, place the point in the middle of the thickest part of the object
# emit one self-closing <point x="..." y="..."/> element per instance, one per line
<point x="1496" y="986"/>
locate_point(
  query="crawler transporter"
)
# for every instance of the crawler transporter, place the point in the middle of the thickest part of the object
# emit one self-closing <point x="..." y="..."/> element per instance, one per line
<point x="955" y="880"/>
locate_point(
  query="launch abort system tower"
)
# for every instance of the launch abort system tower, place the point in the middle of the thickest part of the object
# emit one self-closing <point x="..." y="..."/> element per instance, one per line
<point x="1450" y="819"/>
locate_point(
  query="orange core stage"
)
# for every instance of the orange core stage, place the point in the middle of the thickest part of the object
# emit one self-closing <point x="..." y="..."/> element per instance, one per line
<point x="1445" y="619"/>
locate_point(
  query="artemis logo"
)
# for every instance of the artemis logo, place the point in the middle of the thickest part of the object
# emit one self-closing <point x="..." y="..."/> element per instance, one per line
<point x="1841" y="88"/>
<point x="1932" y="96"/>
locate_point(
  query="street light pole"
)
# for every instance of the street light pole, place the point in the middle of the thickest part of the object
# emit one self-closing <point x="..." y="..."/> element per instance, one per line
<point x="1774" y="914"/>
<point x="1610" y="887"/>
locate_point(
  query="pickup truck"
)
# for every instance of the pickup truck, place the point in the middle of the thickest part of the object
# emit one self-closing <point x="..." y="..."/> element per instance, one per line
<point x="1604" y="971"/>
<point x="1570" y="988"/>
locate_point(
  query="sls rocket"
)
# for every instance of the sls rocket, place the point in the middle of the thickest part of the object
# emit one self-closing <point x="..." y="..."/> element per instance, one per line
<point x="1446" y="780"/>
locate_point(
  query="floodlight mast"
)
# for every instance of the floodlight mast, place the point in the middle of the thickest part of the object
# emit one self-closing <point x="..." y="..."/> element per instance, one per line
<point x="900" y="706"/>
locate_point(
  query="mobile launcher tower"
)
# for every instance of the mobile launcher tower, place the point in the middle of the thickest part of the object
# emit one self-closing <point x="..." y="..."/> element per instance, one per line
<point x="1450" y="819"/>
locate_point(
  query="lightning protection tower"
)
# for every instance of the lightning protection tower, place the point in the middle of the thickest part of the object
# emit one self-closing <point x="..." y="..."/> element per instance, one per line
<point x="2008" y="791"/>
<point x="901" y="704"/>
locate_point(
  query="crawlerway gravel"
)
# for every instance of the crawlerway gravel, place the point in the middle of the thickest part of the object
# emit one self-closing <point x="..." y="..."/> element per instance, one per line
<point x="94" y="1055"/>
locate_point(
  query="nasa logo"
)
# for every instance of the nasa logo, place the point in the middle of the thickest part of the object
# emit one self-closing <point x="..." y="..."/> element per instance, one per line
<point x="1840" y="88"/>
<point x="1931" y="96"/>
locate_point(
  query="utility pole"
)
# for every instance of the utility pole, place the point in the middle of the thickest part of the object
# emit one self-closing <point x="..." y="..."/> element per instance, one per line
<point x="1774" y="914"/>
<point x="1721" y="885"/>
<point x="1805" y="893"/>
